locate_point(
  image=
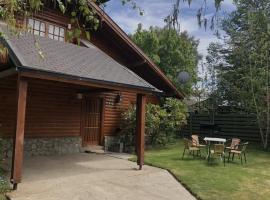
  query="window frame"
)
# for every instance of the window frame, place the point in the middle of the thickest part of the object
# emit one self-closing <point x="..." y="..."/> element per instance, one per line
<point x="47" y="26"/>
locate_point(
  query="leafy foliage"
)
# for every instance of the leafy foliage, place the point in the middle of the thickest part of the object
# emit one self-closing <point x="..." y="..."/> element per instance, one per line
<point x="82" y="17"/>
<point x="173" y="52"/>
<point x="162" y="122"/>
<point x="4" y="185"/>
<point x="243" y="75"/>
<point x="204" y="20"/>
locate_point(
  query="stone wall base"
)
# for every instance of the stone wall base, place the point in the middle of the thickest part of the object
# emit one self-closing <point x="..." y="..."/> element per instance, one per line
<point x="43" y="146"/>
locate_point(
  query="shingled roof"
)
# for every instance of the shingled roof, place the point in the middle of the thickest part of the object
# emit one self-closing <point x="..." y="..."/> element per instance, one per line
<point x="72" y="60"/>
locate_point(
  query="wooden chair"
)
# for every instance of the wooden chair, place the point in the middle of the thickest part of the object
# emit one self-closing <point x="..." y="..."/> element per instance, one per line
<point x="188" y="147"/>
<point x="234" y="144"/>
<point x="196" y="141"/>
<point x="240" y="151"/>
<point x="219" y="150"/>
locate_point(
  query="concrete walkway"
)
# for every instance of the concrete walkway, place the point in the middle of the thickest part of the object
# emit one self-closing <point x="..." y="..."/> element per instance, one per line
<point x="95" y="177"/>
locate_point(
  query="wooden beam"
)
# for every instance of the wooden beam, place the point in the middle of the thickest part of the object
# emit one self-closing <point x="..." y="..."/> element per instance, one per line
<point x="79" y="81"/>
<point x="8" y="72"/>
<point x="102" y="120"/>
<point x="17" y="159"/>
<point x="138" y="64"/>
<point x="140" y="135"/>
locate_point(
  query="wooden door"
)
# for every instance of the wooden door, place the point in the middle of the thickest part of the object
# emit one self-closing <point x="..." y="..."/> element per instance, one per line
<point x="91" y="121"/>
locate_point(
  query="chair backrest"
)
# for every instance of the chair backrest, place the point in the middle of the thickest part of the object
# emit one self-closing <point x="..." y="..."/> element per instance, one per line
<point x="235" y="143"/>
<point x="187" y="143"/>
<point x="195" y="140"/>
<point x="219" y="148"/>
<point x="244" y="146"/>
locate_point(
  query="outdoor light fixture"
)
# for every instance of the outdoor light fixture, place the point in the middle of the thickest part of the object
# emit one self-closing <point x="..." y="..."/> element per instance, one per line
<point x="118" y="98"/>
<point x="79" y="96"/>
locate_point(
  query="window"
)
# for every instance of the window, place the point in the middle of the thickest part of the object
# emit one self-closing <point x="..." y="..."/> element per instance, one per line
<point x="37" y="27"/>
<point x="56" y="33"/>
<point x="45" y="29"/>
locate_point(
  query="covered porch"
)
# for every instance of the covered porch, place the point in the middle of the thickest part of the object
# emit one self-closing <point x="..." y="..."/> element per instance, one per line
<point x="34" y="116"/>
<point x="68" y="84"/>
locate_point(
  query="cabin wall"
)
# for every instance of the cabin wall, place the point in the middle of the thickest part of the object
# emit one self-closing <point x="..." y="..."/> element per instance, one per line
<point x="52" y="118"/>
<point x="53" y="115"/>
<point x="113" y="110"/>
<point x="7" y="105"/>
<point x="52" y="110"/>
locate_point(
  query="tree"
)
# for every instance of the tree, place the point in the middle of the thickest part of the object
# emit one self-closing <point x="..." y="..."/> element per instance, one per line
<point x="204" y="19"/>
<point x="244" y="75"/>
<point x="173" y="52"/>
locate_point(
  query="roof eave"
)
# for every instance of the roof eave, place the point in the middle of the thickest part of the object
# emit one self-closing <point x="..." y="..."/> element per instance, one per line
<point x="30" y="72"/>
<point x="124" y="36"/>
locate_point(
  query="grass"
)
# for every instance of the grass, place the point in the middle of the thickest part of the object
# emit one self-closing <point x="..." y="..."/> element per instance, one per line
<point x="214" y="181"/>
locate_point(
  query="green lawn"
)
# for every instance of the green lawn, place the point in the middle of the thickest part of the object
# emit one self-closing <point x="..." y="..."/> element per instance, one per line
<point x="212" y="182"/>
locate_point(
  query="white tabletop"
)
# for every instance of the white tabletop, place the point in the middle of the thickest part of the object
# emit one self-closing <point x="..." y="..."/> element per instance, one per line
<point x="214" y="139"/>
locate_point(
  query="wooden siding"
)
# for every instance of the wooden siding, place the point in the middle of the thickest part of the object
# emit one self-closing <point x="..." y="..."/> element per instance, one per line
<point x="113" y="110"/>
<point x="8" y="105"/>
<point x="54" y="111"/>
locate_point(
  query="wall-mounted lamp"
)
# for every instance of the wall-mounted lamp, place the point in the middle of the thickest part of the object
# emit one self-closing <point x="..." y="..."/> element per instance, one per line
<point x="118" y="98"/>
<point x="79" y="96"/>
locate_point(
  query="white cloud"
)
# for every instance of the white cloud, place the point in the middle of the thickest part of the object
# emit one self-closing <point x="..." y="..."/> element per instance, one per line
<point x="155" y="12"/>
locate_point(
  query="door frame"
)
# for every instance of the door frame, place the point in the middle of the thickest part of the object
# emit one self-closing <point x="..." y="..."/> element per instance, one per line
<point x="102" y="117"/>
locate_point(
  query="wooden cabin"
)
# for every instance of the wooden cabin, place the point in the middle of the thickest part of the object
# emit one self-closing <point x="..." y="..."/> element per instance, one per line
<point x="56" y="96"/>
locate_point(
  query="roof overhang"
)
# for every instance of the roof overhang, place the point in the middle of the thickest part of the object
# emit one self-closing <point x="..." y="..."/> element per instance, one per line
<point x="123" y="37"/>
<point x="23" y="54"/>
<point x="51" y="76"/>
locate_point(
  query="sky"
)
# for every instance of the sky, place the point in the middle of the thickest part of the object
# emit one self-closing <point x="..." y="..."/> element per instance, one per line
<point x="155" y="12"/>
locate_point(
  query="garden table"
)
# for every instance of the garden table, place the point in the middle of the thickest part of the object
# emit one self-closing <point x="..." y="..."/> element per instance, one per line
<point x="208" y="141"/>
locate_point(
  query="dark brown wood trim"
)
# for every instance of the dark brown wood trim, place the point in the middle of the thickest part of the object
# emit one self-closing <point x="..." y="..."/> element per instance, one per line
<point x="17" y="159"/>
<point x="102" y="120"/>
<point x="52" y="16"/>
<point x="140" y="135"/>
<point x="138" y="64"/>
<point x="8" y="72"/>
<point x="79" y="81"/>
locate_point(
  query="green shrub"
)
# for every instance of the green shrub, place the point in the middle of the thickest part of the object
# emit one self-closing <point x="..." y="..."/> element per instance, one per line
<point x="162" y="122"/>
<point x="4" y="185"/>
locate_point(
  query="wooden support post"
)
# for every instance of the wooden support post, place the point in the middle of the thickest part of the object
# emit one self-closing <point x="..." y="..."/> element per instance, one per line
<point x="102" y="120"/>
<point x="17" y="159"/>
<point x="141" y="101"/>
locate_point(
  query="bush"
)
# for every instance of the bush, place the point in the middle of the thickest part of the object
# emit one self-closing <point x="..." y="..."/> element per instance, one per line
<point x="4" y="184"/>
<point x="162" y="122"/>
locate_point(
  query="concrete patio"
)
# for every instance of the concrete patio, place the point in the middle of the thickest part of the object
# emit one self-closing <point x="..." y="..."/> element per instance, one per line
<point x="96" y="177"/>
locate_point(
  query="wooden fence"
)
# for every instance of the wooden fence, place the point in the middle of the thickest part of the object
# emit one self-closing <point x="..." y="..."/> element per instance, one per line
<point x="227" y="126"/>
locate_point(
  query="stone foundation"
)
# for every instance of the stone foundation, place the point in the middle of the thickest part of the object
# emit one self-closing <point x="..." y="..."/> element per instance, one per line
<point x="43" y="146"/>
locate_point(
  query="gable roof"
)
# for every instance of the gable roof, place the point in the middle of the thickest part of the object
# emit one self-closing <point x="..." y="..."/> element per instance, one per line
<point x="72" y="60"/>
<point x="153" y="74"/>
